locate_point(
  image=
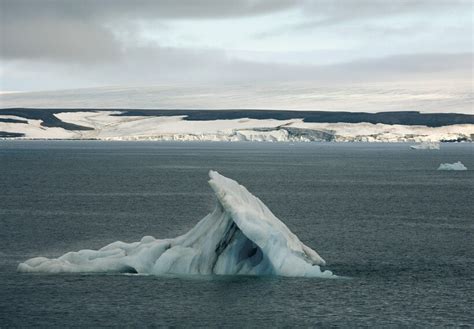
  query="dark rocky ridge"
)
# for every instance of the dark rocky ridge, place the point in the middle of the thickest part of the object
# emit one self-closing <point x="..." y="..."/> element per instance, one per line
<point x="6" y="134"/>
<point x="46" y="115"/>
<point x="13" y="120"/>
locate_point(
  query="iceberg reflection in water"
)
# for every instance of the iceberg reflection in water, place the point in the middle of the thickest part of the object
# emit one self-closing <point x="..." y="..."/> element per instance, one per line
<point x="240" y="237"/>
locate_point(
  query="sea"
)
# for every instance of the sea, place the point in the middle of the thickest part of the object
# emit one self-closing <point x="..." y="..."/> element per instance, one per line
<point x="396" y="231"/>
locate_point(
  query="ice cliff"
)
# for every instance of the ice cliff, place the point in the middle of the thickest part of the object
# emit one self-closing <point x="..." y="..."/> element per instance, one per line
<point x="240" y="237"/>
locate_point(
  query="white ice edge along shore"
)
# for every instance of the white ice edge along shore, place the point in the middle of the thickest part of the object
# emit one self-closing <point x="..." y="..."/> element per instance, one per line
<point x="240" y="237"/>
<point x="107" y="126"/>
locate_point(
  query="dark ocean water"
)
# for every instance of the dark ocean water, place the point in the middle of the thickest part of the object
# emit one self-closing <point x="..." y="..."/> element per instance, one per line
<point x="380" y="214"/>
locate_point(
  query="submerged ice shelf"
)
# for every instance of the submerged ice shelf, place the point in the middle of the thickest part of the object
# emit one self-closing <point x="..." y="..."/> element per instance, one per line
<point x="241" y="236"/>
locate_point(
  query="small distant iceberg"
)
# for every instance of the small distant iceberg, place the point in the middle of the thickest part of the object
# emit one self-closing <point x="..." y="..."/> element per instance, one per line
<point x="452" y="166"/>
<point x="426" y="146"/>
<point x="240" y="237"/>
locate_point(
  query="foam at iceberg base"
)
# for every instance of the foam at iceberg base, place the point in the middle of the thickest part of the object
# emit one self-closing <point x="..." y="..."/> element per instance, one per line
<point x="240" y="237"/>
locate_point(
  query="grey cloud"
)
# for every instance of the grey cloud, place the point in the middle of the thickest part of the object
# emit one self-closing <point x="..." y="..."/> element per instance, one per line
<point x="76" y="31"/>
<point x="69" y="30"/>
<point x="151" y="66"/>
<point x="390" y="68"/>
<point x="57" y="41"/>
<point x="68" y="42"/>
<point x="144" y="8"/>
<point x="327" y="13"/>
<point x="188" y="66"/>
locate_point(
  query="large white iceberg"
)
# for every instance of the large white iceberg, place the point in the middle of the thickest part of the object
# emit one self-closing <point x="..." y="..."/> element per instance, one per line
<point x="240" y="237"/>
<point x="452" y="166"/>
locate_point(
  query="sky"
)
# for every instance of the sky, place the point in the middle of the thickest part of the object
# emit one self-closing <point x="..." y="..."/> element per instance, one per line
<point x="248" y="45"/>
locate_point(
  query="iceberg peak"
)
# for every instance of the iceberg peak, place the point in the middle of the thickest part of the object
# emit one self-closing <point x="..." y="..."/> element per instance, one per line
<point x="240" y="237"/>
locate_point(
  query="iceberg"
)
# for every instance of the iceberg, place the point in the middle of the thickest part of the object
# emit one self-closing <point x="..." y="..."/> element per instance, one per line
<point x="426" y="146"/>
<point x="240" y="237"/>
<point x="452" y="166"/>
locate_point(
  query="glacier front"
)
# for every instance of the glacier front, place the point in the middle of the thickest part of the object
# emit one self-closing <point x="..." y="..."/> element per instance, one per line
<point x="240" y="237"/>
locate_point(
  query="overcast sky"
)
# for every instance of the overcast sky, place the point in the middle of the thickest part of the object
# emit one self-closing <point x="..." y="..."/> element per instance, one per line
<point x="67" y="44"/>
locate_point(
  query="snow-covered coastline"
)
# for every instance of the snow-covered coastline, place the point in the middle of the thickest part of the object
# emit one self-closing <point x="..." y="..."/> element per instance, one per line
<point x="110" y="125"/>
